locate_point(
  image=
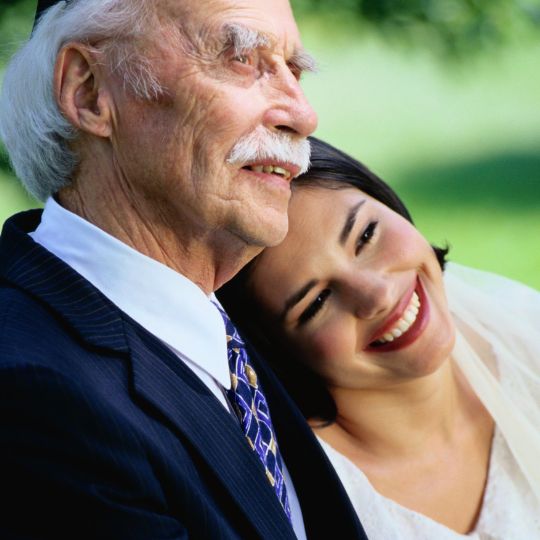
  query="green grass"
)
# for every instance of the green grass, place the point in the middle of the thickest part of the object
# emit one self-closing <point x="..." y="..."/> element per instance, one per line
<point x="487" y="210"/>
<point x="14" y="29"/>
<point x="12" y="198"/>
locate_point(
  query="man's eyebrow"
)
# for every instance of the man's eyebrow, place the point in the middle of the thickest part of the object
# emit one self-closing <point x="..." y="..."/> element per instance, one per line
<point x="242" y="38"/>
<point x="296" y="297"/>
<point x="303" y="61"/>
<point x="349" y="223"/>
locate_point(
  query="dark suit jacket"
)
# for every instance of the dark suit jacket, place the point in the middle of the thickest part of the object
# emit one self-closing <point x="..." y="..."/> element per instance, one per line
<point x="104" y="434"/>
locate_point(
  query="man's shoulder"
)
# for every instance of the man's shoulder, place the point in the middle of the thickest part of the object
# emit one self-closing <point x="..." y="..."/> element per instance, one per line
<point x="30" y="332"/>
<point x="22" y="222"/>
<point x="19" y="310"/>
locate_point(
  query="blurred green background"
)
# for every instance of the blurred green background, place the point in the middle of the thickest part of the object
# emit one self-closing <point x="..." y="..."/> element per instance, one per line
<point x="440" y="97"/>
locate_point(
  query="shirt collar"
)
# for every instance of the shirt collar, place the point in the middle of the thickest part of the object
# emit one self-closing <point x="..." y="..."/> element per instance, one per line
<point x="162" y="301"/>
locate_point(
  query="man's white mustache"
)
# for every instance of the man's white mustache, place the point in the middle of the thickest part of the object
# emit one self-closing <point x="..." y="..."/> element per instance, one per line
<point x="263" y="144"/>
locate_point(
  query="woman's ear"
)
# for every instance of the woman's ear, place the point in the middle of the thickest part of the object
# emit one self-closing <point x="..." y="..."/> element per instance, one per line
<point x="80" y="91"/>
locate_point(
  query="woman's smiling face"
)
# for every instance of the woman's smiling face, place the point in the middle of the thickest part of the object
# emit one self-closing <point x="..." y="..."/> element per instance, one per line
<point x="355" y="290"/>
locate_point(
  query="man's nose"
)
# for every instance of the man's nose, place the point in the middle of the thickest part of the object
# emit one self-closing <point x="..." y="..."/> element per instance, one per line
<point x="291" y="111"/>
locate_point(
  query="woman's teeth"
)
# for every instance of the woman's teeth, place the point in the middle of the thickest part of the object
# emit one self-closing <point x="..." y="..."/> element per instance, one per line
<point x="403" y="325"/>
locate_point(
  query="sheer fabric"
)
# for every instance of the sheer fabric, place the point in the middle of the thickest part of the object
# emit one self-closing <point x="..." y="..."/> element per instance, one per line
<point x="505" y="315"/>
<point x="497" y="349"/>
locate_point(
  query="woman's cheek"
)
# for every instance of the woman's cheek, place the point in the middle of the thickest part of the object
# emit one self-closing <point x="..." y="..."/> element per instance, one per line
<point x="330" y="349"/>
<point x="402" y="245"/>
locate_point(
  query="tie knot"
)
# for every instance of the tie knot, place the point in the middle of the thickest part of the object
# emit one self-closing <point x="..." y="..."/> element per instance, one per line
<point x="234" y="340"/>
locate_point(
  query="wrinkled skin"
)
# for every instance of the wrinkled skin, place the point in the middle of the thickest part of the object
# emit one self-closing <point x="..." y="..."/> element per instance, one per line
<point x="163" y="183"/>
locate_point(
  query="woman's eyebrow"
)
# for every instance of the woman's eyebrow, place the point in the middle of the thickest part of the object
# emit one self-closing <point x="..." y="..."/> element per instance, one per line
<point x="349" y="223"/>
<point x="296" y="297"/>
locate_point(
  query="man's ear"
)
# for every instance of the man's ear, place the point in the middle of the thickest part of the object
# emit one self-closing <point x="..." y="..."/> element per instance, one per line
<point x="80" y="92"/>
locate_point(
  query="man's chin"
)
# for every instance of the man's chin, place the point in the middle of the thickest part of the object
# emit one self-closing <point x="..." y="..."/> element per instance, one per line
<point x="265" y="232"/>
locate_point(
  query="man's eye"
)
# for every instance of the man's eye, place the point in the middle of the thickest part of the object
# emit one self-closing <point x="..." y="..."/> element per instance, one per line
<point x="242" y="58"/>
<point x="314" y="307"/>
<point x="366" y="236"/>
<point x="247" y="58"/>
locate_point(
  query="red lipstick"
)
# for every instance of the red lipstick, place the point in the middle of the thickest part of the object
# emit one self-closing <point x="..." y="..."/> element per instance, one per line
<point x="414" y="331"/>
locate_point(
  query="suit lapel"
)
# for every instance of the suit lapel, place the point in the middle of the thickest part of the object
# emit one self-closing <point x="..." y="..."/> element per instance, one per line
<point x="171" y="388"/>
<point x="159" y="377"/>
<point x="28" y="266"/>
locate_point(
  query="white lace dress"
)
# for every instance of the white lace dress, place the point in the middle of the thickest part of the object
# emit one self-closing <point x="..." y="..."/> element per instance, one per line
<point x="506" y="315"/>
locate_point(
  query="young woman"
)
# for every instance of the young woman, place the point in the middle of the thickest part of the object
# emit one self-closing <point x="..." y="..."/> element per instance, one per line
<point x="423" y="388"/>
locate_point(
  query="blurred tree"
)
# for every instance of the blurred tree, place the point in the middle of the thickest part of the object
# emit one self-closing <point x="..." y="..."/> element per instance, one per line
<point x="457" y="26"/>
<point x="7" y="6"/>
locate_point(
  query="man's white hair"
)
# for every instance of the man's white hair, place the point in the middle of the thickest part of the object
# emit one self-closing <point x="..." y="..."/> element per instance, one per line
<point x="35" y="133"/>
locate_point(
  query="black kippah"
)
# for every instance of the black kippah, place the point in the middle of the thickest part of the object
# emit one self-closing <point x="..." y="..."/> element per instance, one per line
<point x="42" y="5"/>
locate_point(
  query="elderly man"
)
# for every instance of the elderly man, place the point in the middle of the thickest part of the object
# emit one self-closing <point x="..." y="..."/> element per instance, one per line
<point x="163" y="135"/>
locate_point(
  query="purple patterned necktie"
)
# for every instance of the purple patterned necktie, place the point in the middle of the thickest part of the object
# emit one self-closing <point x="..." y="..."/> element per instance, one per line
<point x="250" y="405"/>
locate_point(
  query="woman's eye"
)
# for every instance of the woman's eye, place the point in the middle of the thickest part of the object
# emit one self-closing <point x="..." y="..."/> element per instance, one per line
<point x="366" y="236"/>
<point x="314" y="307"/>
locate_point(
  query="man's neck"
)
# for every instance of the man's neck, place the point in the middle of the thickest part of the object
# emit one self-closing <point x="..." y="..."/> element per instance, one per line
<point x="209" y="258"/>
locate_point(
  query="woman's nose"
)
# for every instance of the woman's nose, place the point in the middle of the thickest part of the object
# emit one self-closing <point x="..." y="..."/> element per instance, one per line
<point x="371" y="296"/>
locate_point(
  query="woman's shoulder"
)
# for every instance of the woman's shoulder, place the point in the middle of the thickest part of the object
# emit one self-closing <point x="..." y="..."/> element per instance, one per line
<point x="503" y="314"/>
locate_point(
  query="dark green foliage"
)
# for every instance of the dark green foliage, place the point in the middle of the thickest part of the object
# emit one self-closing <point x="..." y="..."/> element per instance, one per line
<point x="15" y="25"/>
<point x="456" y="27"/>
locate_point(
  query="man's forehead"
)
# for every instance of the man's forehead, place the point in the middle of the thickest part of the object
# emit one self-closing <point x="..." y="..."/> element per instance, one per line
<point x="268" y="21"/>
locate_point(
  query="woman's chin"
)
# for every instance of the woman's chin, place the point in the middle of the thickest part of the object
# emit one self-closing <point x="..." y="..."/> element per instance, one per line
<point x="431" y="356"/>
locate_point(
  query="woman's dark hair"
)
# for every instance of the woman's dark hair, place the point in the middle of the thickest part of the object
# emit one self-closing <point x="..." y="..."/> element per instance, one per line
<point x="330" y="169"/>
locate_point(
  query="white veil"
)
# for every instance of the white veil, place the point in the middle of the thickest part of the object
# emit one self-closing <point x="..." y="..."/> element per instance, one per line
<point x="505" y="316"/>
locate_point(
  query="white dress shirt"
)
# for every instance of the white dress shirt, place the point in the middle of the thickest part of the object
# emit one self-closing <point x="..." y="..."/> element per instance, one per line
<point x="164" y="302"/>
